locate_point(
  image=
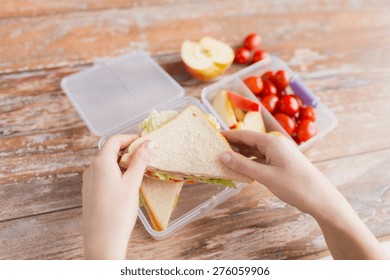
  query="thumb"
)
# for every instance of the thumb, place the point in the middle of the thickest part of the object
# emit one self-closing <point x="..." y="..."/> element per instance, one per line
<point x="259" y="172"/>
<point x="138" y="162"/>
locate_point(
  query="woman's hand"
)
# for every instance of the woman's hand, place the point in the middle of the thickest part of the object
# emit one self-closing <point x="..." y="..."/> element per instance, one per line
<point x="281" y="167"/>
<point x="110" y="198"/>
<point x="285" y="171"/>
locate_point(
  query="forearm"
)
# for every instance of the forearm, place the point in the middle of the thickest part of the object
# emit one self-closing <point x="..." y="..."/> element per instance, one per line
<point x="346" y="235"/>
<point x="100" y="249"/>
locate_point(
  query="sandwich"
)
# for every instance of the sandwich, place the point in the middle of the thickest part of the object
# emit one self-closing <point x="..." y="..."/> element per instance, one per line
<point x="159" y="199"/>
<point x="186" y="148"/>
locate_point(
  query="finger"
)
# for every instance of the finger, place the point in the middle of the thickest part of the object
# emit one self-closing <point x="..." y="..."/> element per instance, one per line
<point x="138" y="162"/>
<point x="244" y="165"/>
<point x="242" y="146"/>
<point x="260" y="160"/>
<point x="115" y="143"/>
<point x="251" y="152"/>
<point x="250" y="138"/>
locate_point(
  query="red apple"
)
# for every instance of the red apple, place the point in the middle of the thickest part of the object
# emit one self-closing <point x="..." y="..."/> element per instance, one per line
<point x="207" y="58"/>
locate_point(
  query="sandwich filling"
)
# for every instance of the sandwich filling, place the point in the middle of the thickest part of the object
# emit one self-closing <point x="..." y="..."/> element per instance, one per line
<point x="159" y="119"/>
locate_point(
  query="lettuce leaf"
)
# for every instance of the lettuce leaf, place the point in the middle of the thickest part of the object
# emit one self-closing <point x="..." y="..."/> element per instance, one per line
<point x="157" y="120"/>
<point x="162" y="176"/>
<point x="223" y="182"/>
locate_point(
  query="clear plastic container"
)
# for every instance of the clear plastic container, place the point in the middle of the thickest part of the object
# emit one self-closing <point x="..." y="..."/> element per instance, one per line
<point x="325" y="121"/>
<point x="115" y="96"/>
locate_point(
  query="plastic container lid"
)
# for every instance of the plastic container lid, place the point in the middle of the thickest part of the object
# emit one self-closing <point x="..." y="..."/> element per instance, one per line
<point x="116" y="91"/>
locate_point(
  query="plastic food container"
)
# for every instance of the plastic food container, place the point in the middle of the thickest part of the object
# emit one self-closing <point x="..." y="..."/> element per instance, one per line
<point x="115" y="95"/>
<point x="325" y="121"/>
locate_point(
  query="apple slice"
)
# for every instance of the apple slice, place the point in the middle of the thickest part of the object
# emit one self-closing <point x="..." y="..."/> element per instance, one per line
<point x="254" y="121"/>
<point x="240" y="125"/>
<point x="207" y="58"/>
<point x="242" y="102"/>
<point x="239" y="113"/>
<point x="224" y="108"/>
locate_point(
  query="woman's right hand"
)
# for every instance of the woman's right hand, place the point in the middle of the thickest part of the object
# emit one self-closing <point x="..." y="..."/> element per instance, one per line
<point x="282" y="168"/>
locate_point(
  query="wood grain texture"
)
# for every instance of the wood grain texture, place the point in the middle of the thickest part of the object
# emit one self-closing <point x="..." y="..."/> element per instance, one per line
<point x="252" y="225"/>
<point x="339" y="48"/>
<point x="26" y="8"/>
<point x="74" y="38"/>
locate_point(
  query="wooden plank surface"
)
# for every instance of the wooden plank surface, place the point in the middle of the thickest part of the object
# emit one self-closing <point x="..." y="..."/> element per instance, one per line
<point x="252" y="225"/>
<point x="340" y="48"/>
<point x="79" y="37"/>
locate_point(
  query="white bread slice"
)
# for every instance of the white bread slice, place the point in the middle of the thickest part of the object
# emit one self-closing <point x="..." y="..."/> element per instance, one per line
<point x="160" y="199"/>
<point x="188" y="145"/>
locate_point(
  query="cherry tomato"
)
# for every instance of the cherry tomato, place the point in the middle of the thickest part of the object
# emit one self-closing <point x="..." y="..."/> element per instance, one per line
<point x="259" y="55"/>
<point x="268" y="75"/>
<point x="242" y="55"/>
<point x="281" y="79"/>
<point x="306" y="129"/>
<point x="300" y="103"/>
<point x="307" y="113"/>
<point x="281" y="93"/>
<point x="286" y="122"/>
<point x="255" y="84"/>
<point x="288" y="105"/>
<point x="269" y="102"/>
<point x="252" y="41"/>
<point x="268" y="88"/>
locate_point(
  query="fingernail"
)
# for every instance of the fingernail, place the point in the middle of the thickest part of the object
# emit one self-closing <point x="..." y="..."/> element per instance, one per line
<point x="149" y="144"/>
<point x="225" y="157"/>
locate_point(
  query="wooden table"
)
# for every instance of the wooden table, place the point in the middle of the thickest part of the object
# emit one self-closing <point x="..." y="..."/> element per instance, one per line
<point x="341" y="50"/>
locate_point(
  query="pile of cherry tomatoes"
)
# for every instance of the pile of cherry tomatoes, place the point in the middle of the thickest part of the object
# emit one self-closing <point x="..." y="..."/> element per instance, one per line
<point x="287" y="108"/>
<point x="250" y="52"/>
<point x="271" y="89"/>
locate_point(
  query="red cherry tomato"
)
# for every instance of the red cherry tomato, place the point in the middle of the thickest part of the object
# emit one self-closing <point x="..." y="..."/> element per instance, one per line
<point x="269" y="102"/>
<point x="242" y="55"/>
<point x="300" y="103"/>
<point x="307" y="113"/>
<point x="259" y="55"/>
<point x="288" y="105"/>
<point x="281" y="93"/>
<point x="286" y="122"/>
<point x="268" y="75"/>
<point x="252" y="41"/>
<point x="306" y="129"/>
<point x="255" y="84"/>
<point x="281" y="79"/>
<point x="268" y="88"/>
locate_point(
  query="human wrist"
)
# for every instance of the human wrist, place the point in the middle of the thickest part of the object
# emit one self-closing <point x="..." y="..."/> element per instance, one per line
<point x="333" y="210"/>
